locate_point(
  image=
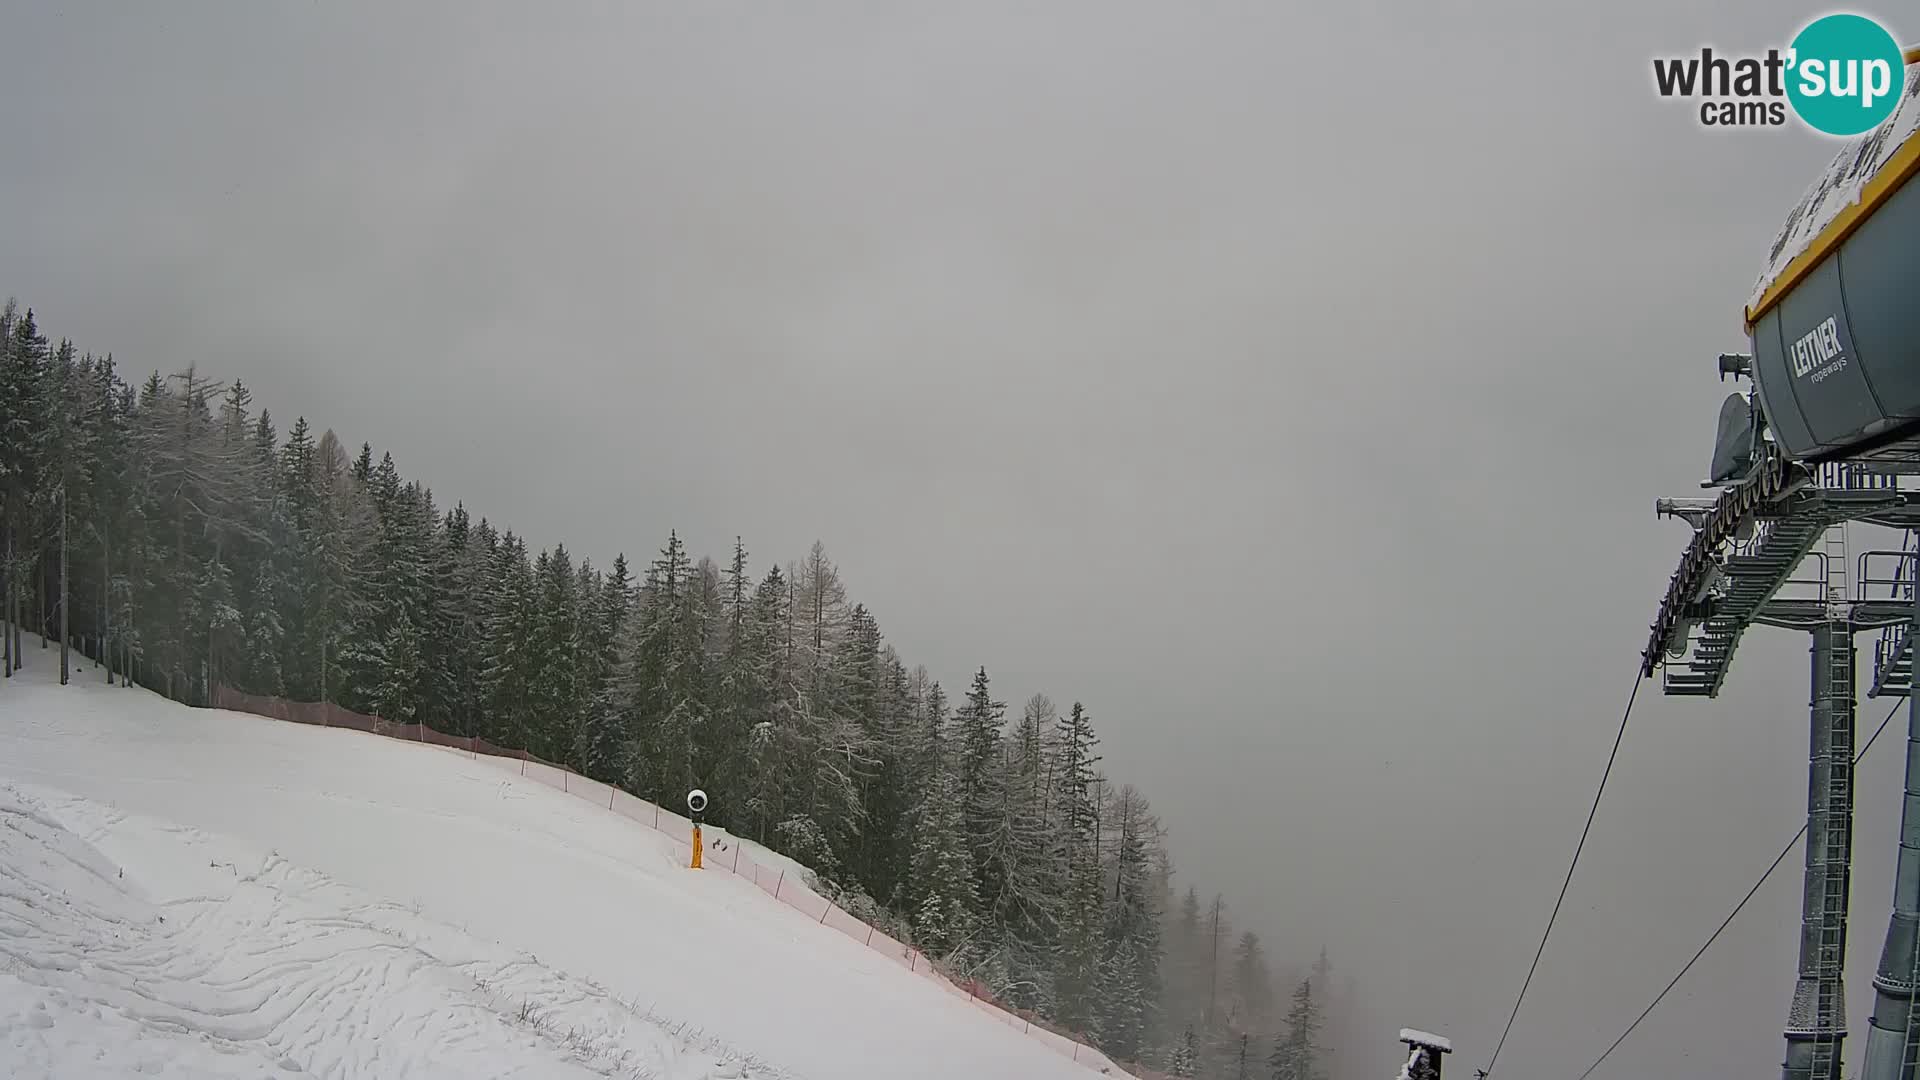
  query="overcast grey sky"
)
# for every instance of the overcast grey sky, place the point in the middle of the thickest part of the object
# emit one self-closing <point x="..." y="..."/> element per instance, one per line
<point x="1291" y="385"/>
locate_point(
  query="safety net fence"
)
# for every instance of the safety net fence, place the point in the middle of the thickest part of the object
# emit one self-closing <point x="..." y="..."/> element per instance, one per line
<point x="775" y="881"/>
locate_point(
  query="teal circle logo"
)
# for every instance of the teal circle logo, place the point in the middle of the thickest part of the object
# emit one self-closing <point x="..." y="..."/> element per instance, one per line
<point x="1845" y="74"/>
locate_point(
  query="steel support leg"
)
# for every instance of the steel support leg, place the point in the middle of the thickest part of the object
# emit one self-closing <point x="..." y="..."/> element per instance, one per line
<point x="1893" y="1037"/>
<point x="1817" y="1022"/>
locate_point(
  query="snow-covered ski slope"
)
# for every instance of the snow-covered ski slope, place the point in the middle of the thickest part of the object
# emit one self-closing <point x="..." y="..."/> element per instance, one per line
<point x="188" y="892"/>
<point x="135" y="947"/>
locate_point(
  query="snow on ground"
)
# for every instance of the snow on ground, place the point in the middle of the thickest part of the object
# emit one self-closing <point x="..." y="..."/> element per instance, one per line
<point x="323" y="888"/>
<point x="207" y="959"/>
<point x="763" y="856"/>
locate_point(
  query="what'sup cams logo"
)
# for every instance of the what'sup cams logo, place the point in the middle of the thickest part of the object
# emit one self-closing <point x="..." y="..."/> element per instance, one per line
<point x="1841" y="75"/>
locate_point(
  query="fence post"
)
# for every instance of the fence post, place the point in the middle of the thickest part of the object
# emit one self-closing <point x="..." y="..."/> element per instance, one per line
<point x="610" y="790"/>
<point x="736" y="855"/>
<point x="824" y="912"/>
<point x="869" y="937"/>
<point x="777" y="884"/>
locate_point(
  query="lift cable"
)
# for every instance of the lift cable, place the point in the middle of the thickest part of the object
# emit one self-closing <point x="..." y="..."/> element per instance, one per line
<point x="1580" y="847"/>
<point x="1702" y="951"/>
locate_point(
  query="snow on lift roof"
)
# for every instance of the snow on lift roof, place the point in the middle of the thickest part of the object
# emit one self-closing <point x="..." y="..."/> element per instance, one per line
<point x="1860" y="159"/>
<point x="1422" y="1038"/>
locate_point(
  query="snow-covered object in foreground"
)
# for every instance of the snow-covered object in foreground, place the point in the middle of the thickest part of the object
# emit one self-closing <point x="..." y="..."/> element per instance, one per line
<point x="1423" y="1038"/>
<point x="1839" y="187"/>
<point x="1414" y="1061"/>
<point x="592" y="908"/>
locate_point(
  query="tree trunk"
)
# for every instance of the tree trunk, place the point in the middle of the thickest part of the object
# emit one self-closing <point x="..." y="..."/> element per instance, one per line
<point x="6" y="606"/>
<point x="105" y="653"/>
<point x="40" y="582"/>
<point x="126" y="634"/>
<point x="13" y="612"/>
<point x="65" y="626"/>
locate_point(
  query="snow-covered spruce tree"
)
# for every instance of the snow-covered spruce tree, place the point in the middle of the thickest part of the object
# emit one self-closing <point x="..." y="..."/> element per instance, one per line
<point x="831" y="749"/>
<point x="395" y="698"/>
<point x="211" y="604"/>
<point x="198" y="510"/>
<point x="1184" y="1061"/>
<point x="664" y="673"/>
<point x="709" y="753"/>
<point x="509" y="653"/>
<point x="1022" y="845"/>
<point x="441" y="617"/>
<point x="765" y="696"/>
<point x="731" y="691"/>
<point x="470" y="548"/>
<point x="270" y="584"/>
<point x="944" y="919"/>
<point x="890" y="796"/>
<point x="240" y="537"/>
<point x="873" y="697"/>
<point x="553" y="691"/>
<point x="1077" y="970"/>
<point x="24" y="423"/>
<point x="296" y="489"/>
<point x="107" y="417"/>
<point x="603" y="731"/>
<point x="979" y="772"/>
<point x="64" y="472"/>
<point x="1252" y="985"/>
<point x="1132" y="941"/>
<point x="337" y="555"/>
<point x="402" y="589"/>
<point x="1296" y="1053"/>
<point x="1122" y="1014"/>
<point x="935" y="743"/>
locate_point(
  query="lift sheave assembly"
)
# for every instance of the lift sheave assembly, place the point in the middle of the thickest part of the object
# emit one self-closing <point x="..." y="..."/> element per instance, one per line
<point x="1825" y="436"/>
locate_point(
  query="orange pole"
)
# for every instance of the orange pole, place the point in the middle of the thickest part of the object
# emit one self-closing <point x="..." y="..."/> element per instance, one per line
<point x="696" y="845"/>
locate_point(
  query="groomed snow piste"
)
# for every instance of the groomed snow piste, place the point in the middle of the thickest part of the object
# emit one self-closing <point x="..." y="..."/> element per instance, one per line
<point x="186" y="892"/>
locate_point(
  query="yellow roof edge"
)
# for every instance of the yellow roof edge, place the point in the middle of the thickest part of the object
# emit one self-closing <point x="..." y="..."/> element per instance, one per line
<point x="1895" y="173"/>
<point x="1900" y="168"/>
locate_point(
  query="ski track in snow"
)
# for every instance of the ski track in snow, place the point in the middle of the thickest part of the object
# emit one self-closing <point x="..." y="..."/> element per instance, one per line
<point x="354" y="906"/>
<point x="129" y="947"/>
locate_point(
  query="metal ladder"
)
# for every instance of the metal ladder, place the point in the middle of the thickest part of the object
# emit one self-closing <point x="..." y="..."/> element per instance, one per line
<point x="1834" y="549"/>
<point x="1910" y="1053"/>
<point x="1893" y="660"/>
<point x="1831" y="931"/>
<point x="1838" y="684"/>
<point x="1910" y="1050"/>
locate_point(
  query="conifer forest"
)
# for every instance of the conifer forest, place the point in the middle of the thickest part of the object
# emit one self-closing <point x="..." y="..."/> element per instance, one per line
<point x="183" y="537"/>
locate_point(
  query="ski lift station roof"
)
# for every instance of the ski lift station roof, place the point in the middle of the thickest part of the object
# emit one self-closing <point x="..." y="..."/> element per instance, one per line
<point x="1834" y="327"/>
<point x="1426" y="1039"/>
